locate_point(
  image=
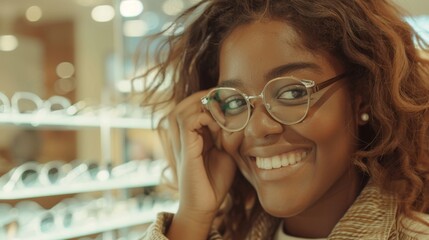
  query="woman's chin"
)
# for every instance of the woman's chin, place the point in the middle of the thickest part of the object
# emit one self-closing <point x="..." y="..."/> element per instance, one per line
<point x="281" y="208"/>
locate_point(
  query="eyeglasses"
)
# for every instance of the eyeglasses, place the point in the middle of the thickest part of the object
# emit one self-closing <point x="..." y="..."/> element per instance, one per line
<point x="287" y="100"/>
<point x="33" y="174"/>
<point x="22" y="176"/>
<point x="27" y="102"/>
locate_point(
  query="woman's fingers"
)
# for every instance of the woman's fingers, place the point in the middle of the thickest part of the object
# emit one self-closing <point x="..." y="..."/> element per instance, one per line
<point x="184" y="110"/>
<point x="191" y="119"/>
<point x="201" y="162"/>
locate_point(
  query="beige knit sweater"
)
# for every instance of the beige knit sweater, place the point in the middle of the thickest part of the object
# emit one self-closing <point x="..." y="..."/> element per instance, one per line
<point x="372" y="216"/>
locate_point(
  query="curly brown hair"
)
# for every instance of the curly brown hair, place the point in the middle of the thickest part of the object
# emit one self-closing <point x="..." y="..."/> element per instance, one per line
<point x="373" y="41"/>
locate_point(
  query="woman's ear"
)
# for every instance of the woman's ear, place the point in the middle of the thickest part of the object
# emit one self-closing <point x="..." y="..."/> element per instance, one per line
<point x="363" y="114"/>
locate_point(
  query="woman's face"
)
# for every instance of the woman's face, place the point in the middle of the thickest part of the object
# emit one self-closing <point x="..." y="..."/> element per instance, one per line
<point x="321" y="145"/>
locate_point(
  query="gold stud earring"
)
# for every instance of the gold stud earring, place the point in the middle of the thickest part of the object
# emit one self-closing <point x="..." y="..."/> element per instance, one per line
<point x="364" y="117"/>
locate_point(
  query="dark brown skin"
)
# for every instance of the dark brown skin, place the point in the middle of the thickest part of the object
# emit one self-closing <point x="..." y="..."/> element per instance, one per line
<point x="311" y="195"/>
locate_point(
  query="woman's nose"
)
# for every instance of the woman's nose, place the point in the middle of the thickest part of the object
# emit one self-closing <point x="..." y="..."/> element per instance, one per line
<point x="261" y="124"/>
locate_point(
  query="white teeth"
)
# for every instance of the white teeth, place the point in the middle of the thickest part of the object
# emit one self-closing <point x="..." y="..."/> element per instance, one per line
<point x="258" y="164"/>
<point x="276" y="162"/>
<point x="267" y="164"/>
<point x="285" y="162"/>
<point x="292" y="158"/>
<point x="279" y="161"/>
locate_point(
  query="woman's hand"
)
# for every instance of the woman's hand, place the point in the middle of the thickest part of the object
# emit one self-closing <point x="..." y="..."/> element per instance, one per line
<point x="205" y="171"/>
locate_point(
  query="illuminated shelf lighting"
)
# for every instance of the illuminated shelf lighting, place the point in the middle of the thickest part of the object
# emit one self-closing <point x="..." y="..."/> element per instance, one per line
<point x="60" y="121"/>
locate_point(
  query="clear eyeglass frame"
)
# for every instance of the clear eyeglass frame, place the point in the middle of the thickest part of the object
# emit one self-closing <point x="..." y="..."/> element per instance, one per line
<point x="310" y="86"/>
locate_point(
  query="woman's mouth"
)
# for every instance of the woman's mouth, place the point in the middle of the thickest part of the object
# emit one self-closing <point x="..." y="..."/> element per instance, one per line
<point x="282" y="160"/>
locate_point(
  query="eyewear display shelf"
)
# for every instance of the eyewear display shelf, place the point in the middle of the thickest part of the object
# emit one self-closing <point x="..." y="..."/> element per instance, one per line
<point x="104" y="123"/>
<point x="115" y="223"/>
<point x="123" y="221"/>
<point x="92" y="186"/>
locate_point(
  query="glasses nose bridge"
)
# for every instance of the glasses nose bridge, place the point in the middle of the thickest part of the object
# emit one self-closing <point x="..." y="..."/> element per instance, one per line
<point x="253" y="98"/>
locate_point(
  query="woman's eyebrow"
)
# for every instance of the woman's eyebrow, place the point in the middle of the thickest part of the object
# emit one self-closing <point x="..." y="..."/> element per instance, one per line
<point x="235" y="83"/>
<point x="291" y="67"/>
<point x="274" y="73"/>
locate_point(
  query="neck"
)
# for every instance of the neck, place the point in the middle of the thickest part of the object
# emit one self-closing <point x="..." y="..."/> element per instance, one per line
<point x="319" y="220"/>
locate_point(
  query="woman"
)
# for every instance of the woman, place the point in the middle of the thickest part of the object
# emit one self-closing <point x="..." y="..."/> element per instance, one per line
<point x="295" y="118"/>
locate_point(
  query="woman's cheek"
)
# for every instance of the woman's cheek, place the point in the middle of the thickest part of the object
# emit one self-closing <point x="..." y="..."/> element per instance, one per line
<point x="332" y="121"/>
<point x="333" y="135"/>
<point x="231" y="142"/>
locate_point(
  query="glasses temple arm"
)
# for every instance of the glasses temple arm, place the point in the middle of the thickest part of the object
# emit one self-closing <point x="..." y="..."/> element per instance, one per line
<point x="328" y="82"/>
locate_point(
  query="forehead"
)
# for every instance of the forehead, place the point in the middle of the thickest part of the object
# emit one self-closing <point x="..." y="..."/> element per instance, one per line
<point x="253" y="50"/>
<point x="249" y="44"/>
<point x="258" y="31"/>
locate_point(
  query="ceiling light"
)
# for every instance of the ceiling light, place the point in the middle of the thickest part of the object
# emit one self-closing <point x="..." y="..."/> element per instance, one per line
<point x="135" y="28"/>
<point x="131" y="8"/>
<point x="65" y="70"/>
<point x="103" y="13"/>
<point x="8" y="43"/>
<point x="33" y="13"/>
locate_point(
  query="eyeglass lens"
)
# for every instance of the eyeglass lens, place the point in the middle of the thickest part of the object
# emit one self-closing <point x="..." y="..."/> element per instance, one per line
<point x="54" y="175"/>
<point x="29" y="177"/>
<point x="286" y="99"/>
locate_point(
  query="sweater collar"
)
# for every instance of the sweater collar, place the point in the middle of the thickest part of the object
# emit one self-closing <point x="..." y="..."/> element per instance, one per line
<point x="371" y="216"/>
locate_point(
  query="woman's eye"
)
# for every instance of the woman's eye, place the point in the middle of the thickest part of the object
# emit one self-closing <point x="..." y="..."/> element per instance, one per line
<point x="292" y="93"/>
<point x="233" y="105"/>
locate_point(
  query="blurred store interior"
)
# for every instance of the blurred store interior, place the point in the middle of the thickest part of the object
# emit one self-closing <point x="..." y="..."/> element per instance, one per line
<point x="73" y="149"/>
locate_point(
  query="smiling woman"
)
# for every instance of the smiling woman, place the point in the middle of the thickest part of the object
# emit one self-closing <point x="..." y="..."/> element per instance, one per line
<point x="295" y="119"/>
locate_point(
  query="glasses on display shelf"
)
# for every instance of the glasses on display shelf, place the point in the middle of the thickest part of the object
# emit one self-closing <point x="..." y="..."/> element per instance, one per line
<point x="31" y="103"/>
<point x="81" y="210"/>
<point x="79" y="108"/>
<point x="47" y="222"/>
<point x="22" y="213"/>
<point x="25" y="175"/>
<point x="26" y="210"/>
<point x="83" y="172"/>
<point x="144" y="167"/>
<point x="83" y="108"/>
<point x="32" y="174"/>
<point x="74" y="211"/>
<point x="287" y="100"/>
<point x="56" y="172"/>
<point x="26" y="102"/>
<point x="51" y="220"/>
<point x="132" y="167"/>
<point x="52" y="172"/>
<point x="4" y="103"/>
<point x="56" y="104"/>
<point x="41" y="221"/>
<point x="33" y="219"/>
